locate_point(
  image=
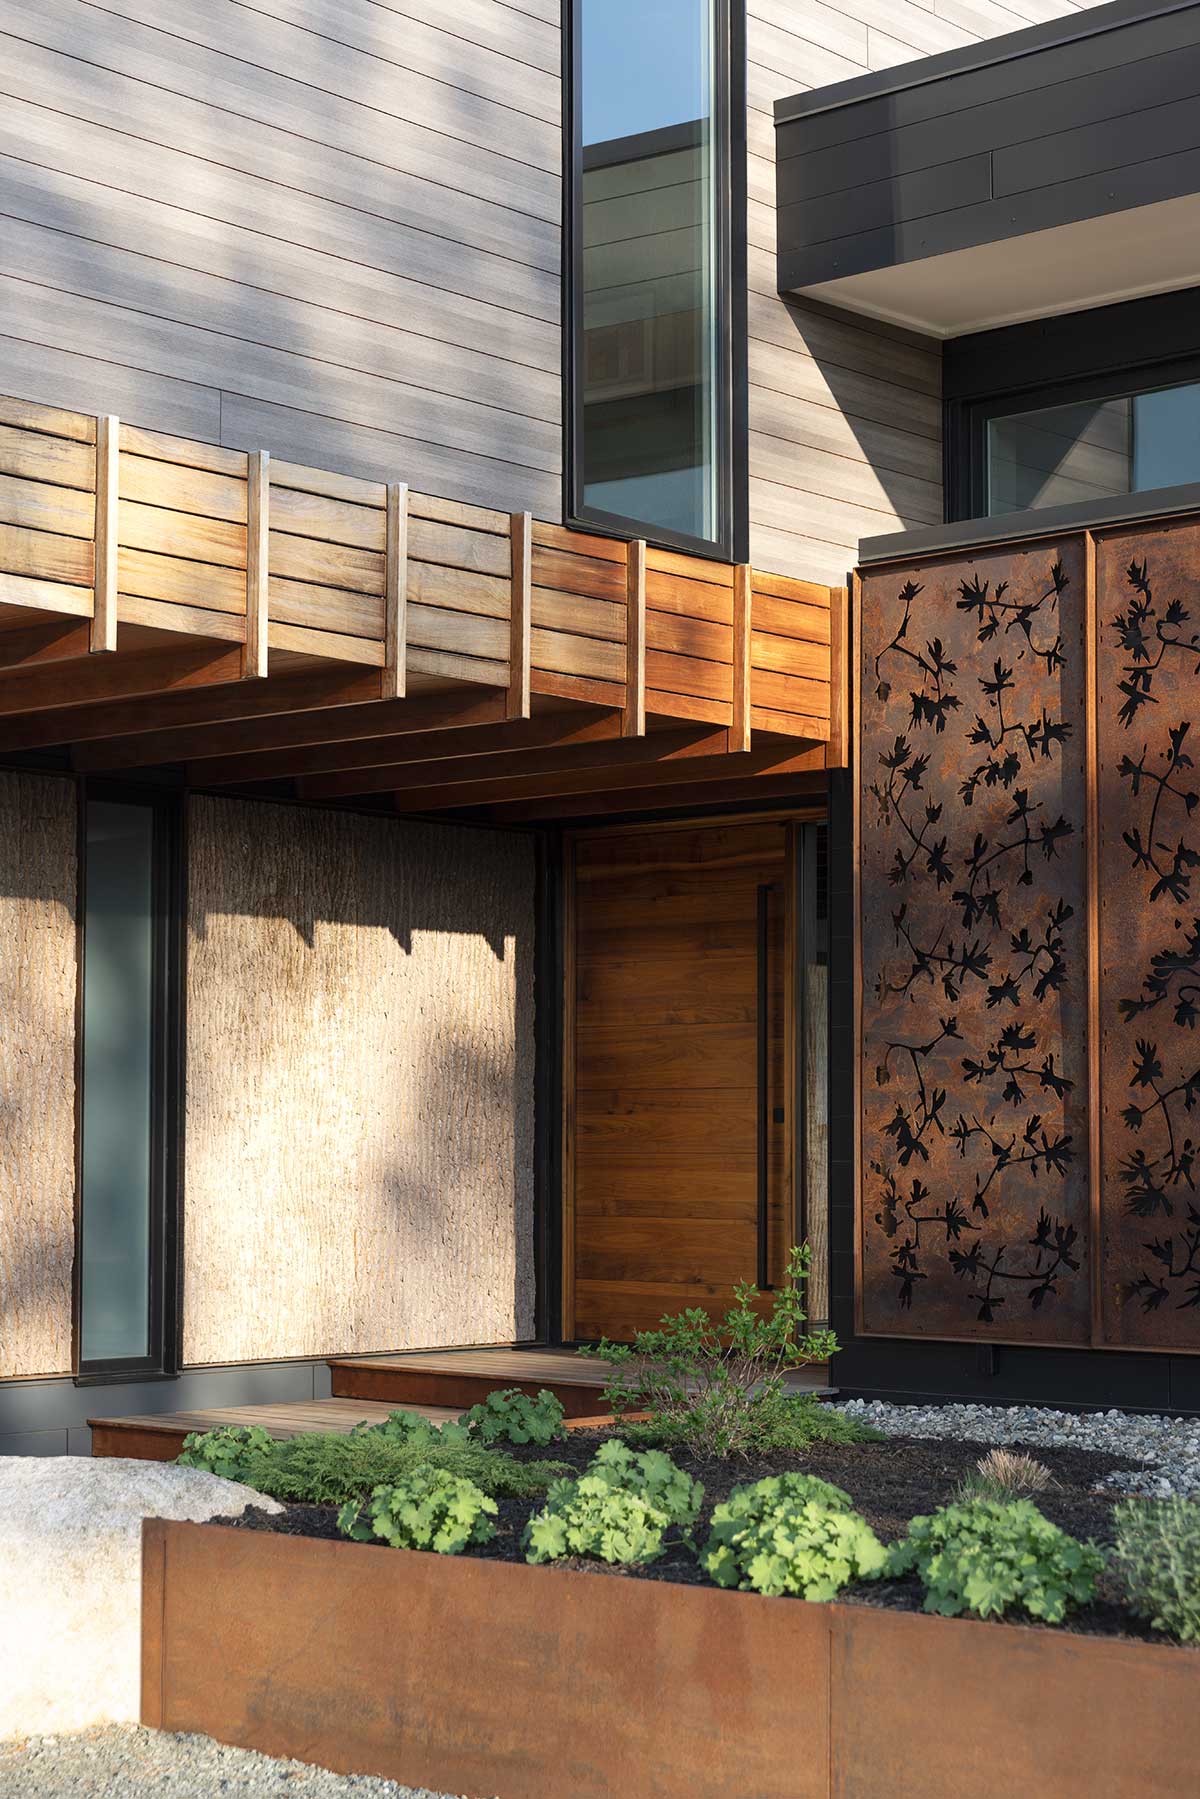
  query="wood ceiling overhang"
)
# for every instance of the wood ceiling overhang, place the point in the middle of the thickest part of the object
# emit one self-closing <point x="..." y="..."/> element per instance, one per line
<point x="252" y="623"/>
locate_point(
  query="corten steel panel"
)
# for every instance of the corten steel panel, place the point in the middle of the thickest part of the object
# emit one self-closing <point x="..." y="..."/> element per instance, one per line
<point x="949" y="1708"/>
<point x="483" y="1678"/>
<point x="1148" y="653"/>
<point x="974" y="1171"/>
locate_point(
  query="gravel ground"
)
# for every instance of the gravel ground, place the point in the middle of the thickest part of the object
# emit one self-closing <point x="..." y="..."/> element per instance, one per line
<point x="1169" y="1447"/>
<point x="147" y="1764"/>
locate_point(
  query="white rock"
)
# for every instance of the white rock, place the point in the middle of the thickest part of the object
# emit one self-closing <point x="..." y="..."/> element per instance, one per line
<point x="71" y="1581"/>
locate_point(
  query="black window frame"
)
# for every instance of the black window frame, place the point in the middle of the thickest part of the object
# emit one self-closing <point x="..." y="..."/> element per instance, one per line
<point x="169" y="913"/>
<point x="732" y="539"/>
<point x="1103" y="353"/>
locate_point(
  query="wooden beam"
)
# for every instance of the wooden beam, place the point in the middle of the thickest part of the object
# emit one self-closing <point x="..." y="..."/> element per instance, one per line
<point x="46" y="640"/>
<point x="806" y="789"/>
<point x="107" y="729"/>
<point x="317" y="706"/>
<point x="108" y="486"/>
<point x="124" y="677"/>
<point x="743" y="612"/>
<point x="395" y="593"/>
<point x="635" y="640"/>
<point x="258" y="557"/>
<point x="405" y="742"/>
<point x="633" y="780"/>
<point x="521" y="616"/>
<point x="611" y="751"/>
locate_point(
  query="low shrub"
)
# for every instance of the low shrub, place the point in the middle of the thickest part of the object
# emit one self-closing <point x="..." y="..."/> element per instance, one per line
<point x="791" y="1534"/>
<point x="510" y="1416"/>
<point x="411" y="1427"/>
<point x="429" y="1509"/>
<point x="705" y="1383"/>
<point x="775" y="1424"/>
<point x="1158" y="1555"/>
<point x="590" y="1517"/>
<point x="319" y="1469"/>
<point x="990" y="1557"/>
<point x="228" y="1451"/>
<point x="1006" y="1474"/>
<point x="652" y="1476"/>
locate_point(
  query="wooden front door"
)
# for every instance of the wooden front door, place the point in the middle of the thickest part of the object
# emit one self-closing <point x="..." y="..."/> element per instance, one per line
<point x="679" y="1112"/>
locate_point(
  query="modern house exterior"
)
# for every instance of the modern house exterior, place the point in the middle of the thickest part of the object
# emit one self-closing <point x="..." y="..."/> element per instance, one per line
<point x="596" y="665"/>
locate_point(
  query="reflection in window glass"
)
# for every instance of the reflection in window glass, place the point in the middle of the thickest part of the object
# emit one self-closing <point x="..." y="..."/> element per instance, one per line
<point x="650" y="357"/>
<point x="1094" y="449"/>
<point x="118" y="1029"/>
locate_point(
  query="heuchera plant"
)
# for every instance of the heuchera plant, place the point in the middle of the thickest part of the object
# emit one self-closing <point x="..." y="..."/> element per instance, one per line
<point x="588" y="1517"/>
<point x="228" y="1451"/>
<point x="510" y="1416"/>
<point x="429" y="1509"/>
<point x="791" y="1534"/>
<point x="989" y="1557"/>
<point x="706" y="1383"/>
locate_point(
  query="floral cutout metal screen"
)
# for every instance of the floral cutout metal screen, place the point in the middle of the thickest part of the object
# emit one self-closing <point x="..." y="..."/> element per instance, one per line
<point x="1001" y="1170"/>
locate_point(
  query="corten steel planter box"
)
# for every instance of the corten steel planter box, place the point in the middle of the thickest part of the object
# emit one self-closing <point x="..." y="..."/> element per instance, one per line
<point x="488" y="1678"/>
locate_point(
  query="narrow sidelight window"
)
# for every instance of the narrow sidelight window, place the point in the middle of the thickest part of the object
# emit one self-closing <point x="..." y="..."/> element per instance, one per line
<point x="128" y="957"/>
<point x="650" y="326"/>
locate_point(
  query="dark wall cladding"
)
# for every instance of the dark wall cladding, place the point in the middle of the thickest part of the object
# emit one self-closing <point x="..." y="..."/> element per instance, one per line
<point x="975" y="1204"/>
<point x="1149" y="941"/>
<point x="1030" y="1050"/>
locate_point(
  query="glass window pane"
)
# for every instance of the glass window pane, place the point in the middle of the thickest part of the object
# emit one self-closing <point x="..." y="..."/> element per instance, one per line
<point x="1166" y="437"/>
<point x="118" y="1024"/>
<point x="649" y="367"/>
<point x="1094" y="448"/>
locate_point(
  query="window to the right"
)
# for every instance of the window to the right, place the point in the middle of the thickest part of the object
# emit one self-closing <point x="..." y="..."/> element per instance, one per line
<point x="1094" y="448"/>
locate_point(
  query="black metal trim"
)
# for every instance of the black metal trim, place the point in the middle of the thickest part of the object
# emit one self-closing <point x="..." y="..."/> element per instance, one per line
<point x="731" y="542"/>
<point x="167" y="1084"/>
<point x="1098" y="354"/>
<point x="763" y="1045"/>
<point x="549" y="1051"/>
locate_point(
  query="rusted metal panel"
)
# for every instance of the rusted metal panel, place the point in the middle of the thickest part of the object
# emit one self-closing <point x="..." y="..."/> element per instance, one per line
<point x="485" y="1678"/>
<point x="974" y="1201"/>
<point x="1148" y="750"/>
<point x="946" y="1708"/>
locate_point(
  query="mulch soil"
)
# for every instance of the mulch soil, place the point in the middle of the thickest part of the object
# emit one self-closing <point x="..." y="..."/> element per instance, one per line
<point x="889" y="1482"/>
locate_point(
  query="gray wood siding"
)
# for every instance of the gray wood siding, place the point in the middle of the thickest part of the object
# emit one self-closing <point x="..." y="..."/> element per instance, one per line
<point x="328" y="228"/>
<point x="845" y="414"/>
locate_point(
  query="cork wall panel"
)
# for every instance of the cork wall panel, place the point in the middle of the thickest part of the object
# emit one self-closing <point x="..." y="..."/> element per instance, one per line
<point x="1148" y="654"/>
<point x="37" y="1073"/>
<point x="360" y="1088"/>
<point x="975" y="1199"/>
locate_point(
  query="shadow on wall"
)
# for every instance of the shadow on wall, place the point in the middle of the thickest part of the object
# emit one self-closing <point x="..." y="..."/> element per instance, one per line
<point x="360" y="1087"/>
<point x="293" y="241"/>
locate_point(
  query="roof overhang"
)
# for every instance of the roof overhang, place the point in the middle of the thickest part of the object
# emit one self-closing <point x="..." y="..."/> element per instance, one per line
<point x="1050" y="170"/>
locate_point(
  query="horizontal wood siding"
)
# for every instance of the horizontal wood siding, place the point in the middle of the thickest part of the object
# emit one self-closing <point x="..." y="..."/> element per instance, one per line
<point x="327" y="227"/>
<point x="844" y="414"/>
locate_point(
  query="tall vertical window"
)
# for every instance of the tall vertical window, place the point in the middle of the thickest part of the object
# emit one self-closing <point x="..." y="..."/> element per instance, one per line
<point x="652" y="255"/>
<point x="128" y="953"/>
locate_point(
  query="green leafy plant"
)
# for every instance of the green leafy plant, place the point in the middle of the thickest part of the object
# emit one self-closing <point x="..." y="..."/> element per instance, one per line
<point x="510" y="1416"/>
<point x="590" y="1517"/>
<point x="327" y="1470"/>
<point x="228" y="1451"/>
<point x="990" y="1557"/>
<point x="791" y="1534"/>
<point x="707" y="1384"/>
<point x="1158" y="1555"/>
<point x="652" y="1476"/>
<point x="429" y="1509"/>
<point x="411" y="1427"/>
<point x="777" y="1424"/>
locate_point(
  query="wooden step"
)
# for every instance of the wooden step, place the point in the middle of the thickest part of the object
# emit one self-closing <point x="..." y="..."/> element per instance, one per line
<point x="464" y="1377"/>
<point x="158" y="1437"/>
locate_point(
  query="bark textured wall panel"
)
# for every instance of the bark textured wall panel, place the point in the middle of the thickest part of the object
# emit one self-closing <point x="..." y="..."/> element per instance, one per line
<point x="360" y="1087"/>
<point x="37" y="1073"/>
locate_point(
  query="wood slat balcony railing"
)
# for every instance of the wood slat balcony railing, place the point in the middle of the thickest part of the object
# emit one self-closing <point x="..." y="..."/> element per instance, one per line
<point x="151" y="584"/>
